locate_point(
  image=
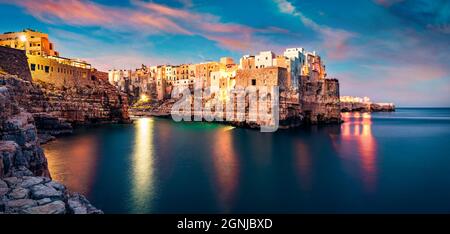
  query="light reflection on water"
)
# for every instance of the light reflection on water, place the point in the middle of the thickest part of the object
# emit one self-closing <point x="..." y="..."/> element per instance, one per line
<point x="226" y="166"/>
<point x="74" y="162"/>
<point x="158" y="166"/>
<point x="356" y="140"/>
<point x="143" y="166"/>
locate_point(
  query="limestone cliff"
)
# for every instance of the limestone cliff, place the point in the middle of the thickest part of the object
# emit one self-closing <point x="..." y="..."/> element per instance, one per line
<point x="25" y="182"/>
<point x="90" y="100"/>
<point x="317" y="102"/>
<point x="320" y="100"/>
<point x="366" y="107"/>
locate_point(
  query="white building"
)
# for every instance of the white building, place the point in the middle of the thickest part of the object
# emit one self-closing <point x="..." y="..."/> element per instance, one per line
<point x="169" y="73"/>
<point x="264" y="59"/>
<point x="296" y="58"/>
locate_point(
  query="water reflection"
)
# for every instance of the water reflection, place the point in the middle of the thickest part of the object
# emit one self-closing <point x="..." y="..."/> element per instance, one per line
<point x="357" y="130"/>
<point x="75" y="165"/>
<point x="142" y="166"/>
<point x="226" y="166"/>
<point x="303" y="159"/>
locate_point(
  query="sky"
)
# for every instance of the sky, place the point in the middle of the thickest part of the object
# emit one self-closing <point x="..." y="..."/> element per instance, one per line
<point x="389" y="50"/>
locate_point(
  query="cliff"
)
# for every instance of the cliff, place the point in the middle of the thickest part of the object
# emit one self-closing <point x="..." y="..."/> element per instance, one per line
<point x="55" y="105"/>
<point x="320" y="100"/>
<point x="97" y="102"/>
<point x="317" y="102"/>
<point x="33" y="111"/>
<point x="366" y="107"/>
<point x="25" y="182"/>
<point x="14" y="62"/>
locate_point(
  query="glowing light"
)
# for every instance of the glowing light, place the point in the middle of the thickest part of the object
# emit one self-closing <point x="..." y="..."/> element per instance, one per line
<point x="23" y="38"/>
<point x="144" y="98"/>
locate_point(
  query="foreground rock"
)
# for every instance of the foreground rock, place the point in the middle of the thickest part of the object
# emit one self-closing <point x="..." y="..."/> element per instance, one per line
<point x="40" y="195"/>
<point x="25" y="183"/>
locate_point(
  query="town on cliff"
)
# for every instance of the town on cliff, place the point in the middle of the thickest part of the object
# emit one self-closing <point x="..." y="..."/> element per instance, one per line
<point x="44" y="95"/>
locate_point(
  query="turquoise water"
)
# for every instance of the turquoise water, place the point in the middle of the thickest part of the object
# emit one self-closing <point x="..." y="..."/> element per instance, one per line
<point x="373" y="163"/>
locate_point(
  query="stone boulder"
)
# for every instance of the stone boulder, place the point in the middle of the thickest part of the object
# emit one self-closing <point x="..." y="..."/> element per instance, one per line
<point x="56" y="207"/>
<point x="41" y="191"/>
<point x="40" y="195"/>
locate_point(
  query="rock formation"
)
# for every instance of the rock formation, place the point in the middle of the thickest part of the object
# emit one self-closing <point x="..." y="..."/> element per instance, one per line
<point x="56" y="105"/>
<point x="33" y="112"/>
<point x="317" y="102"/>
<point x="40" y="195"/>
<point x="320" y="100"/>
<point x="25" y="182"/>
<point x="14" y="62"/>
<point x="359" y="106"/>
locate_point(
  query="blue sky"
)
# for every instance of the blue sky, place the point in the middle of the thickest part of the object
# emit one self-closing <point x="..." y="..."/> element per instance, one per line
<point x="390" y="50"/>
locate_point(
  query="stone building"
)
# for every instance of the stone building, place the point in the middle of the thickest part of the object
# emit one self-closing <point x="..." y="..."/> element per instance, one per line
<point x="269" y="76"/>
<point x="44" y="61"/>
<point x="204" y="70"/>
<point x="247" y="62"/>
<point x="33" y="42"/>
<point x="264" y="59"/>
<point x="57" y="70"/>
<point x="295" y="60"/>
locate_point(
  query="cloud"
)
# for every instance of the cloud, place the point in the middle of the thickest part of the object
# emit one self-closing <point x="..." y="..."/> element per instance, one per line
<point x="432" y="15"/>
<point x="144" y="18"/>
<point x="387" y="3"/>
<point x="336" y="41"/>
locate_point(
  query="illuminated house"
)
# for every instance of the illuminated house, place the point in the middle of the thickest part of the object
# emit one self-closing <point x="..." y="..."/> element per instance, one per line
<point x="44" y="61"/>
<point x="33" y="42"/>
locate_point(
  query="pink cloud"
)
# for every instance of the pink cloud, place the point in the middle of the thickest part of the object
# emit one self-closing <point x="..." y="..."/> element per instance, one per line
<point x="231" y="43"/>
<point x="387" y="3"/>
<point x="143" y="18"/>
<point x="168" y="11"/>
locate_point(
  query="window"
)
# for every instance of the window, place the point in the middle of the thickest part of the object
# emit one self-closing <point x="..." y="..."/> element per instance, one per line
<point x="47" y="69"/>
<point x="33" y="67"/>
<point x="253" y="82"/>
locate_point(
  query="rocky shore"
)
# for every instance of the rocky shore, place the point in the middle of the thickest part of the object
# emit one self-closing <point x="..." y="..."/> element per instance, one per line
<point x="34" y="112"/>
<point x="26" y="186"/>
<point x="40" y="195"/>
<point x="364" y="104"/>
<point x="366" y="107"/>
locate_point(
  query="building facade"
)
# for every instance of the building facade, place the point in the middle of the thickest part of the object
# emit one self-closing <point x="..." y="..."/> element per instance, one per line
<point x="33" y="42"/>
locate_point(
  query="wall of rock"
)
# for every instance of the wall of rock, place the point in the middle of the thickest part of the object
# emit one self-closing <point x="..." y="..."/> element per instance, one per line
<point x="85" y="104"/>
<point x="25" y="182"/>
<point x="92" y="100"/>
<point x="14" y="62"/>
<point x="26" y="104"/>
<point x="366" y="107"/>
<point x="20" y="153"/>
<point x="319" y="100"/>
